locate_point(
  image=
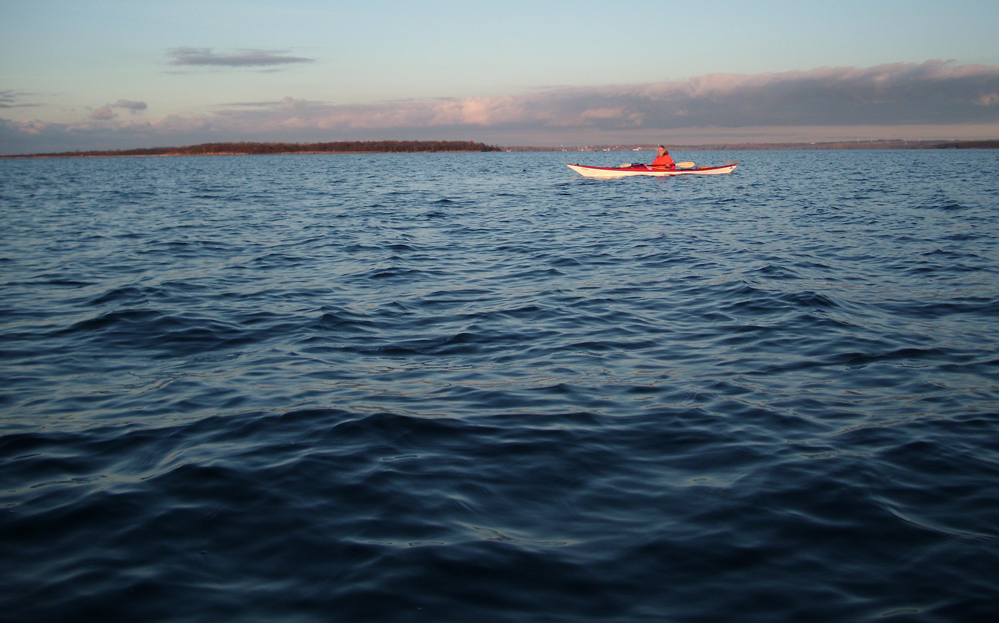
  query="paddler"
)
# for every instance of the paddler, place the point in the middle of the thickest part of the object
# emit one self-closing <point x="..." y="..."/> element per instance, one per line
<point x="662" y="159"/>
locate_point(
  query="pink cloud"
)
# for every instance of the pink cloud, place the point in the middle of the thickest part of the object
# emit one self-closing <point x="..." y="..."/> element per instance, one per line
<point x="103" y="113"/>
<point x="899" y="95"/>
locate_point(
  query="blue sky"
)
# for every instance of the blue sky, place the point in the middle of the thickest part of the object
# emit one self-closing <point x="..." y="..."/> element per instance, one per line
<point x="114" y="74"/>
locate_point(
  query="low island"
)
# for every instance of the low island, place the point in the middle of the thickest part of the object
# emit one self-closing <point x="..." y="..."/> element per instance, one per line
<point x="243" y="149"/>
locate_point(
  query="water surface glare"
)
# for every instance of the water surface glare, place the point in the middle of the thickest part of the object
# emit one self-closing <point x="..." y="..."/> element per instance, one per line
<point x="477" y="387"/>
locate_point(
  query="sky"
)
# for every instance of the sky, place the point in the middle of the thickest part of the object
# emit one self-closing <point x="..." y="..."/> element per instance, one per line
<point x="106" y="74"/>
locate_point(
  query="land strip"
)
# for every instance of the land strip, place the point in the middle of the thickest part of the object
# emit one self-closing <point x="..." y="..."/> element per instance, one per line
<point x="244" y="149"/>
<point x="875" y="144"/>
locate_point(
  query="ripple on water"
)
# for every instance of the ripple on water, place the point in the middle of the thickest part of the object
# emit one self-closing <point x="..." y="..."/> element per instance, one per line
<point x="485" y="388"/>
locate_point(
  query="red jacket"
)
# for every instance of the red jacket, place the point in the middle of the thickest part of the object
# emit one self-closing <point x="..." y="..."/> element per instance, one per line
<point x="664" y="161"/>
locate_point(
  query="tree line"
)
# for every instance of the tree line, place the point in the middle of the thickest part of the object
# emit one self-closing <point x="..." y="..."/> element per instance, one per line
<point x="207" y="149"/>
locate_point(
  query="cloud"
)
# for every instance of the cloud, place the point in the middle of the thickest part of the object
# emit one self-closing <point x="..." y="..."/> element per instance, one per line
<point x="9" y="99"/>
<point x="30" y="127"/>
<point x="934" y="92"/>
<point x="205" y="57"/>
<point x="932" y="100"/>
<point x="134" y="107"/>
<point x="103" y="113"/>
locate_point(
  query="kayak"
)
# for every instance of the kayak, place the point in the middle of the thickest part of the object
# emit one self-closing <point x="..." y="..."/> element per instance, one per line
<point x="629" y="170"/>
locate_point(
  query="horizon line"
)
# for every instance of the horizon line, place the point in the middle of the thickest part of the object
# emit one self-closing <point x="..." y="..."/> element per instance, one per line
<point x="478" y="147"/>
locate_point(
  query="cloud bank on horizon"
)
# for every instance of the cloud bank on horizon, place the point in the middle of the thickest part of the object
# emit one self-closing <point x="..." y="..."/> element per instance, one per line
<point x="827" y="103"/>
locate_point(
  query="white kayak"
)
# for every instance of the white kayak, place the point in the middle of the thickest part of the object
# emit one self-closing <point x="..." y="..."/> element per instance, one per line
<point x="629" y="170"/>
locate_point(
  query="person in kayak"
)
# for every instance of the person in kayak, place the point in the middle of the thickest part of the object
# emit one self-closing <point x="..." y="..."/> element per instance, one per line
<point x="662" y="159"/>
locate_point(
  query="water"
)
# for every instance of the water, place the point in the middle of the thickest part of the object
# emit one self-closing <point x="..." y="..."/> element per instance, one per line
<point x="476" y="387"/>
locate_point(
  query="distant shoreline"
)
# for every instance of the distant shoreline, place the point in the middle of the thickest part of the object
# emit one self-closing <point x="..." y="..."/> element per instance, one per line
<point x="260" y="149"/>
<point x="875" y="144"/>
<point x="395" y="147"/>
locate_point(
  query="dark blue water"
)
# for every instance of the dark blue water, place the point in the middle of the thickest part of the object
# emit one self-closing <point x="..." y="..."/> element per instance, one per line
<point x="476" y="387"/>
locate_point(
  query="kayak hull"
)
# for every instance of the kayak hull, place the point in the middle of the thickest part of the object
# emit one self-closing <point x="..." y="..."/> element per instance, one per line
<point x="644" y="169"/>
